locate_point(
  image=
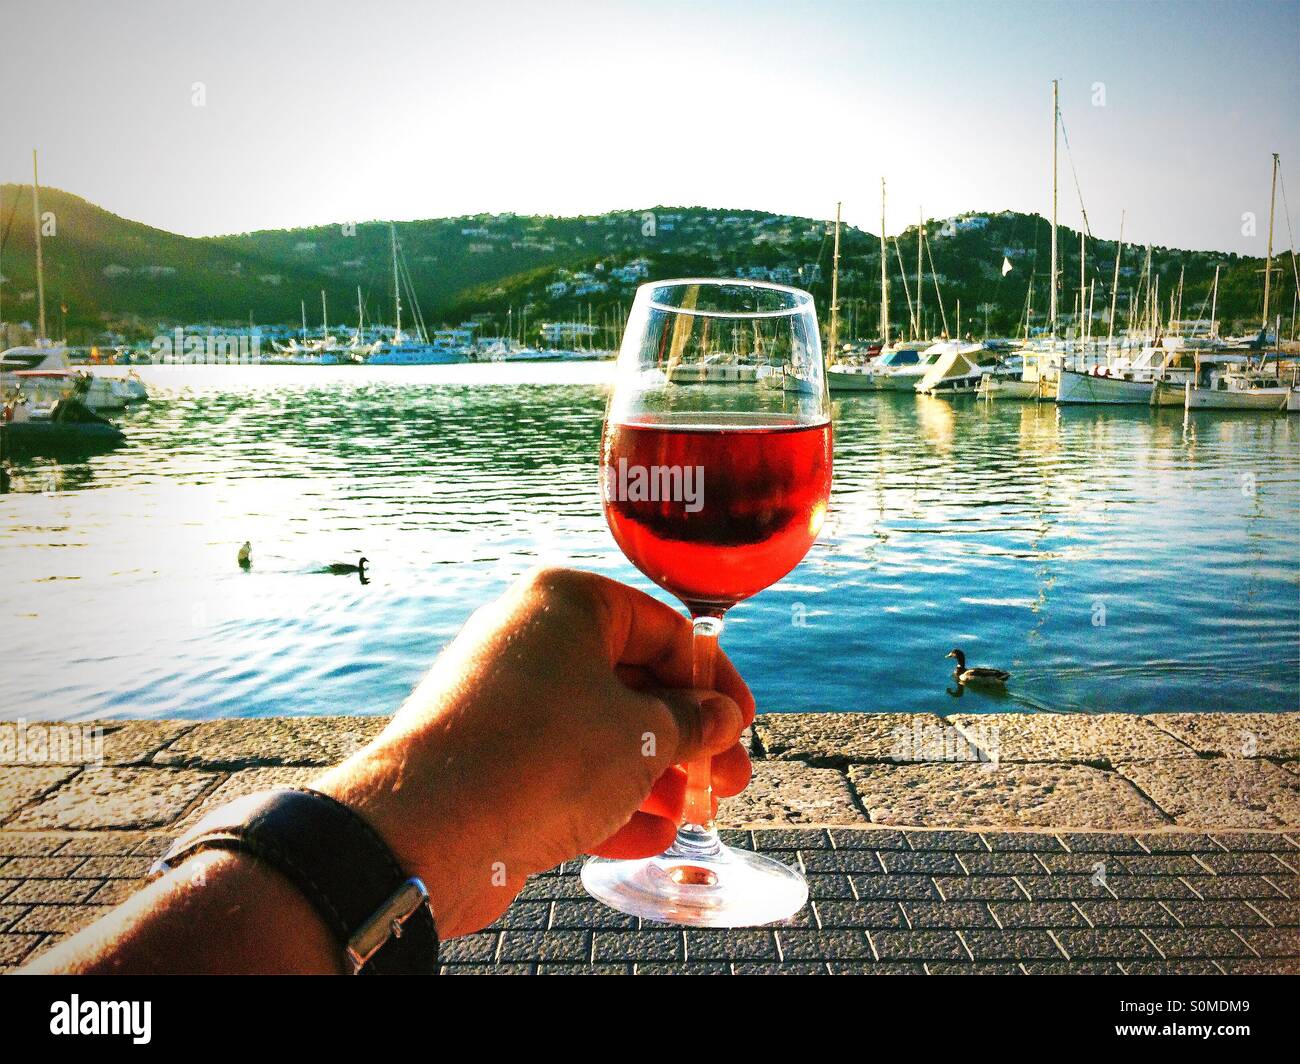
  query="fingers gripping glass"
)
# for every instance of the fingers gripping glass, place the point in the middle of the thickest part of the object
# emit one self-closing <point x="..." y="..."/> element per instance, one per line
<point x="716" y="470"/>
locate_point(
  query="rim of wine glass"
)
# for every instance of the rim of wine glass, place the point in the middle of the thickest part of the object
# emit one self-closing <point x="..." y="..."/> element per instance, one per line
<point x="803" y="299"/>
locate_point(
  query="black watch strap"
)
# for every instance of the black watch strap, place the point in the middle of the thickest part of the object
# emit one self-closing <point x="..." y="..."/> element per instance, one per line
<point x="380" y="915"/>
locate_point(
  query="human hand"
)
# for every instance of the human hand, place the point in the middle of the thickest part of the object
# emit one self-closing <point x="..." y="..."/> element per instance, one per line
<point x="551" y="727"/>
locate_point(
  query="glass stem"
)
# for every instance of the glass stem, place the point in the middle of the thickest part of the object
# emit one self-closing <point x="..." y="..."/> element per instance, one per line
<point x="698" y="809"/>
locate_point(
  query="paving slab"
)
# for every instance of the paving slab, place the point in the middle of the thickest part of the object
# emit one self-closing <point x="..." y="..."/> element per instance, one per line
<point x="791" y="793"/>
<point x="1063" y="796"/>
<point x="250" y="742"/>
<point x="1083" y="738"/>
<point x="50" y="892"/>
<point x="23" y="785"/>
<point x="102" y="742"/>
<point x="1219" y="792"/>
<point x="249" y="781"/>
<point x="1274" y="735"/>
<point x="970" y="867"/>
<point x="902" y="925"/>
<point x="129" y="798"/>
<point x="27" y="844"/>
<point x="95" y="843"/>
<point x="45" y="919"/>
<point x="838" y="739"/>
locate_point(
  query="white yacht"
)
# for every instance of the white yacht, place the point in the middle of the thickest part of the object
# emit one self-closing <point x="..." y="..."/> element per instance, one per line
<point x="404" y="351"/>
<point x="961" y="367"/>
<point x="898" y="368"/>
<point x="43" y="374"/>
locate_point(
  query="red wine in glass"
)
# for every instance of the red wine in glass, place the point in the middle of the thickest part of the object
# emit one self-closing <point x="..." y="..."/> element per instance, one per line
<point x="714" y="513"/>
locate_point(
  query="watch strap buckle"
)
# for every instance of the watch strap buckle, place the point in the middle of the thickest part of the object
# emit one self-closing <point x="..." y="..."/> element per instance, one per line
<point x="386" y="922"/>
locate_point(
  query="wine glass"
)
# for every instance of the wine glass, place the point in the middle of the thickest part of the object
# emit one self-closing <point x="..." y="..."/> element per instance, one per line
<point x="716" y="471"/>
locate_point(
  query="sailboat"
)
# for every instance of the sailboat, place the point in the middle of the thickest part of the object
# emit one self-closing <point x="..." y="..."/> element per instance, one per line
<point x="1044" y="359"/>
<point x="899" y="365"/>
<point x="355" y="350"/>
<point x="46" y="406"/>
<point x="1251" y="388"/>
<point x="847" y="376"/>
<point x="404" y="350"/>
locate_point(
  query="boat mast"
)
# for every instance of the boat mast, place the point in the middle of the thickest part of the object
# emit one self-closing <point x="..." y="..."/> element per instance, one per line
<point x="1214" y="303"/>
<point x="302" y="304"/>
<point x="1268" y="261"/>
<point x="40" y="262"/>
<point x="1051" y="303"/>
<point x="884" y="275"/>
<point x="324" y="317"/>
<point x="938" y="295"/>
<point x="835" y="286"/>
<point x="1083" y="282"/>
<point x="1147" y="322"/>
<point x="1114" y="284"/>
<point x="361" y="317"/>
<point x="907" y="292"/>
<point x="920" y="247"/>
<point x="397" y="288"/>
<point x="1029" y="305"/>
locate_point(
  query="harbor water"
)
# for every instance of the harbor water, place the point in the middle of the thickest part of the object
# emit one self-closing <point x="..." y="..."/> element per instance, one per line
<point x="1121" y="559"/>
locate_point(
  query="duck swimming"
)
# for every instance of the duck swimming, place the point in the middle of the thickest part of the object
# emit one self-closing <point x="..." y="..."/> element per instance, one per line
<point x="245" y="555"/>
<point x="347" y="568"/>
<point x="976" y="676"/>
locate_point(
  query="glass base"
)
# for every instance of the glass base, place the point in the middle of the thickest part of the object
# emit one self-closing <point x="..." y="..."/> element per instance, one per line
<point x="699" y="882"/>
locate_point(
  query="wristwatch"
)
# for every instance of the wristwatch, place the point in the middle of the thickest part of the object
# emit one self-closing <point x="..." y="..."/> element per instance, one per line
<point x="380" y="915"/>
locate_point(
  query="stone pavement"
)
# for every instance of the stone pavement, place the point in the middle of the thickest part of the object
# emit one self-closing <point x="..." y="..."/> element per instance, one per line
<point x="1013" y="843"/>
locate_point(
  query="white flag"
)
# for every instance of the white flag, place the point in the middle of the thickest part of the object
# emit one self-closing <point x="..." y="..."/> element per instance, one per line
<point x="1006" y="265"/>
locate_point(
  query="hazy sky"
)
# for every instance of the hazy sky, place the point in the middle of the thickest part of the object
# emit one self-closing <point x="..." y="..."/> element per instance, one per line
<point x="327" y="112"/>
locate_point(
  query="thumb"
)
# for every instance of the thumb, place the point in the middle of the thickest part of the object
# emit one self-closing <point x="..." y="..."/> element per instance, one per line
<point x="708" y="722"/>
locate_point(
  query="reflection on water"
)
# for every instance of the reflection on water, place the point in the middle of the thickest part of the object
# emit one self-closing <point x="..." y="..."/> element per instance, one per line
<point x="1118" y="559"/>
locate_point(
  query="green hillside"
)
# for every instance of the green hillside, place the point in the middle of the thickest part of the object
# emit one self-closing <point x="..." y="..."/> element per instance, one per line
<point x="113" y="273"/>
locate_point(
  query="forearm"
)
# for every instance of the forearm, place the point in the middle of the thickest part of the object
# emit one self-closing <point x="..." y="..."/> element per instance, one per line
<point x="220" y="913"/>
<point x="223" y="912"/>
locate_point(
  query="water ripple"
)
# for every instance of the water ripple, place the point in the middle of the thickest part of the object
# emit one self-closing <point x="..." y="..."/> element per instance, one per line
<point x="1119" y="559"/>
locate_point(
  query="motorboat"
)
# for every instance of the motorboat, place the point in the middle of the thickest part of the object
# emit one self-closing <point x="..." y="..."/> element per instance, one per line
<point x="43" y="374"/>
<point x="962" y="366"/>
<point x="717" y="370"/>
<point x="65" y="425"/>
<point x="897" y="368"/>
<point x="406" y="351"/>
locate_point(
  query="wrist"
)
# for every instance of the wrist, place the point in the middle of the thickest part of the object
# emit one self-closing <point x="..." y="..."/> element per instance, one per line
<point x="431" y="835"/>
